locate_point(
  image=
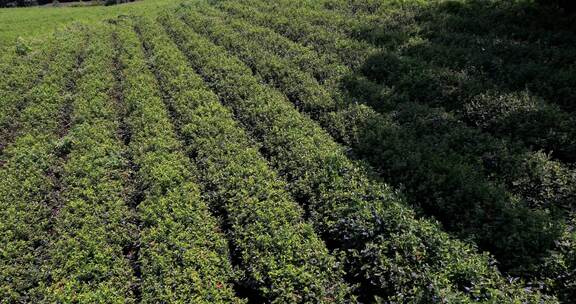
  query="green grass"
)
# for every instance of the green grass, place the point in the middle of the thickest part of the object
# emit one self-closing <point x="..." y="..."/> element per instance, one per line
<point x="34" y="23"/>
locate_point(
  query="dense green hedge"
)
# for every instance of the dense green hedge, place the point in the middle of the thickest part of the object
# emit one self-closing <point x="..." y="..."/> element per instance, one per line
<point x="477" y="216"/>
<point x="282" y="258"/>
<point x="27" y="181"/>
<point x="393" y="255"/>
<point x="91" y="221"/>
<point x="183" y="255"/>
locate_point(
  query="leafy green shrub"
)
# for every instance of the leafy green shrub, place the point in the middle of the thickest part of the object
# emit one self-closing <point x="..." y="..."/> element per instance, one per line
<point x="525" y="118"/>
<point x="22" y="47"/>
<point x="545" y="182"/>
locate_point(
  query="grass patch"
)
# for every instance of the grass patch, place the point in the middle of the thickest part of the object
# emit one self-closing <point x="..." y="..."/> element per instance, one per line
<point x="35" y="23"/>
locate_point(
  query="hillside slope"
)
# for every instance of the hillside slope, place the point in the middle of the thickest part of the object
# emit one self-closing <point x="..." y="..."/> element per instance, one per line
<point x="298" y="151"/>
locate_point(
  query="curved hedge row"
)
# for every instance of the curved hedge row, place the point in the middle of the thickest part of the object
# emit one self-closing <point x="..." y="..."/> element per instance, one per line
<point x="393" y="255"/>
<point x="486" y="212"/>
<point x="91" y="221"/>
<point x="282" y="258"/>
<point x="19" y="73"/>
<point x="183" y="256"/>
<point x="26" y="186"/>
